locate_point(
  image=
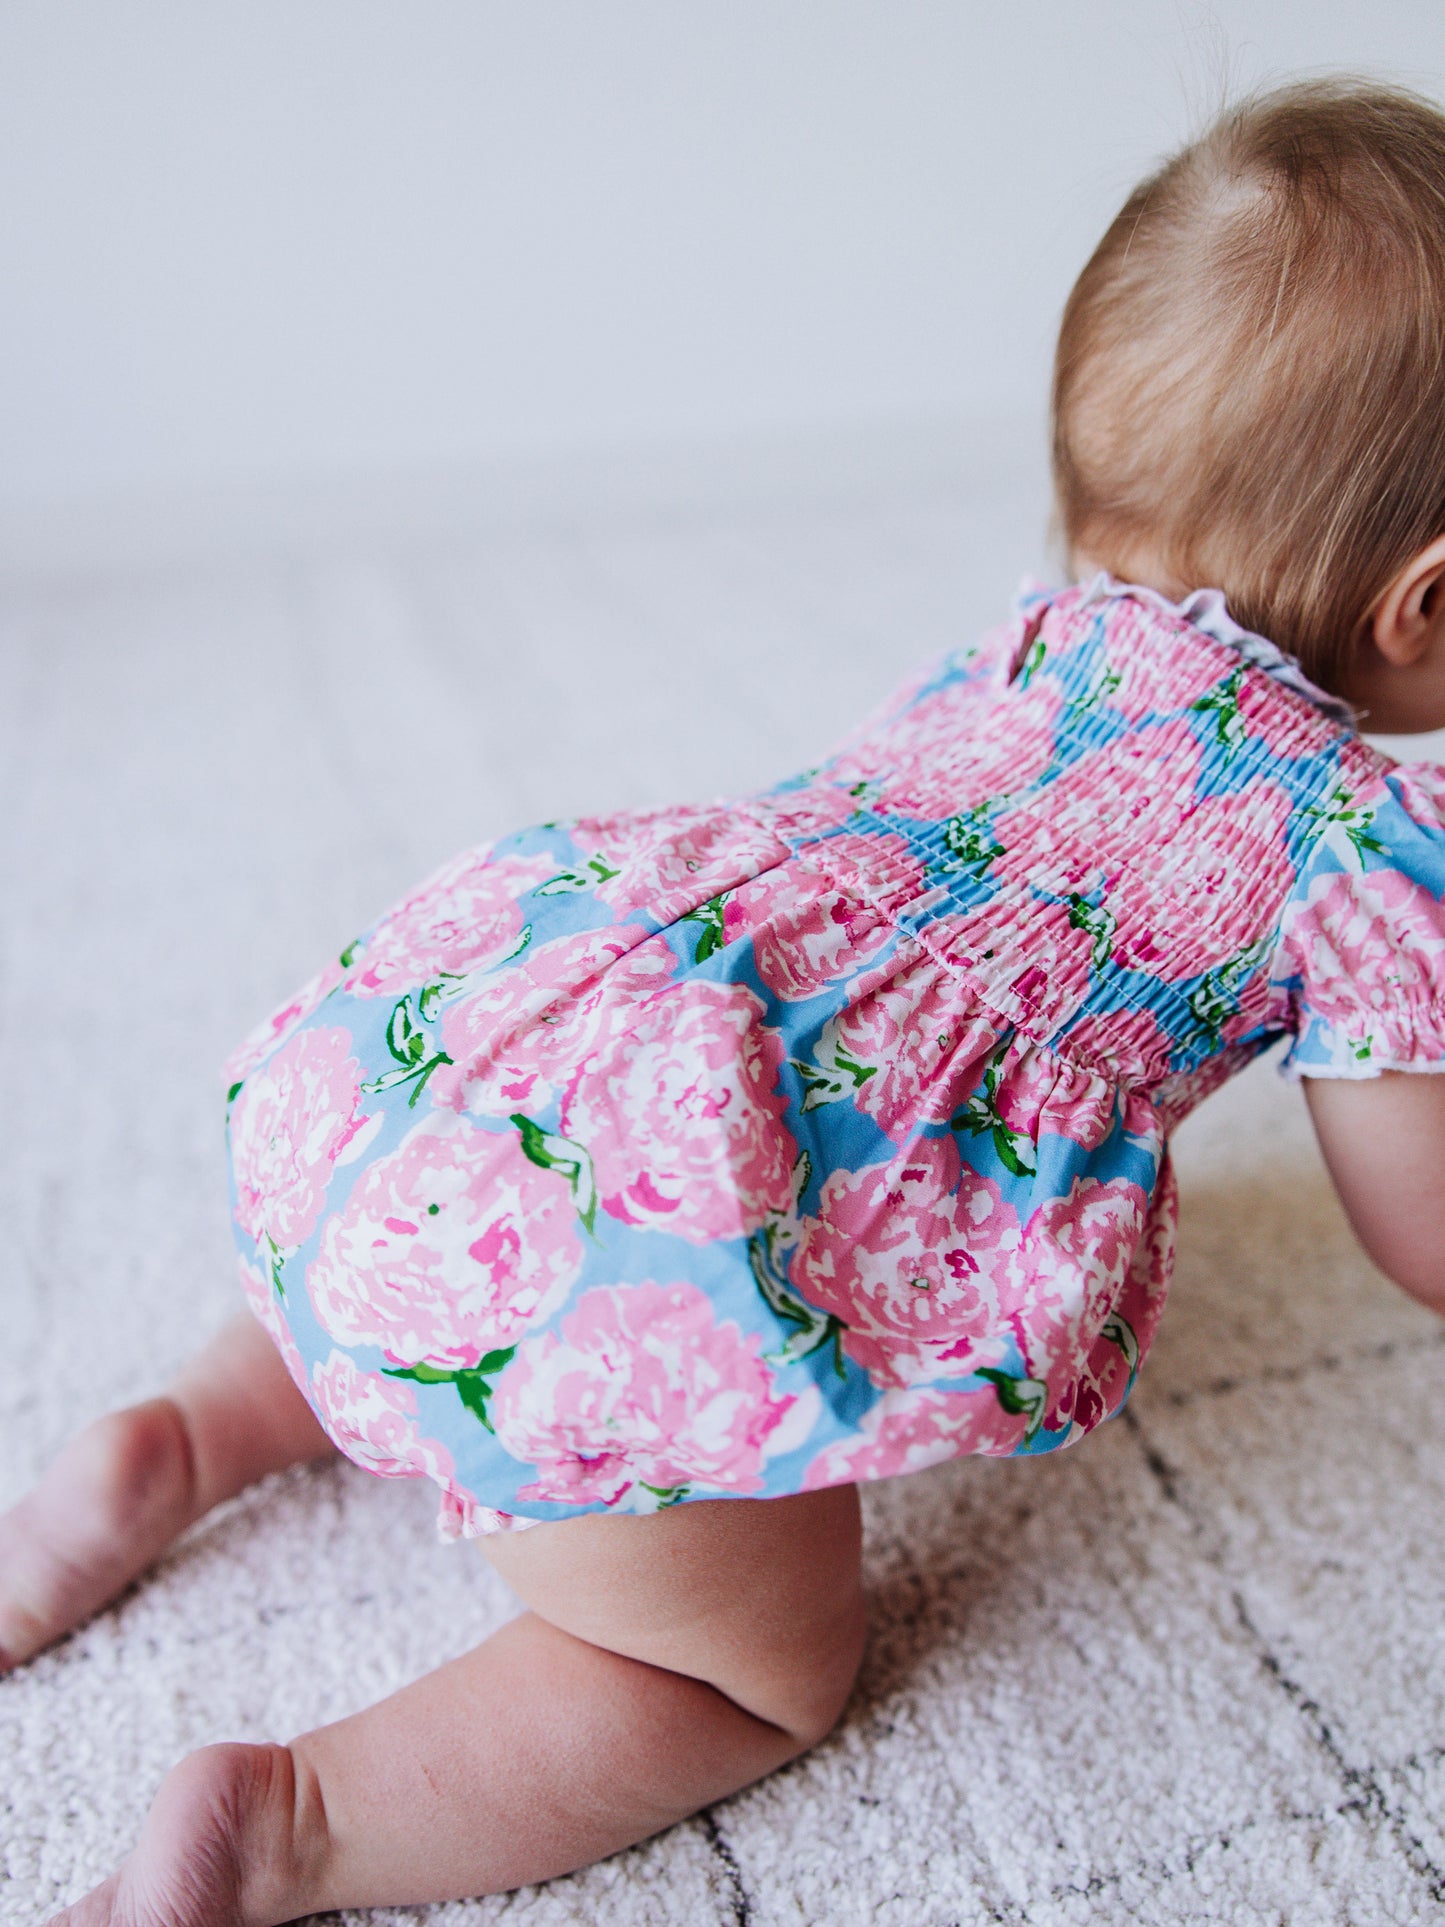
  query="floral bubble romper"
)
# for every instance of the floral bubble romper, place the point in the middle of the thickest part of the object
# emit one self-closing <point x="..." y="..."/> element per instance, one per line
<point x="751" y="1148"/>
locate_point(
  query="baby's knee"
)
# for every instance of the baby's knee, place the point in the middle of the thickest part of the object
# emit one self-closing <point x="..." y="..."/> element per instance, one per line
<point x="808" y="1703"/>
<point x="137" y="1461"/>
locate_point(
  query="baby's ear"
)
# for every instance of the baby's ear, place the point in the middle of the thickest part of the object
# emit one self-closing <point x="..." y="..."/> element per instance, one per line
<point x="1410" y="615"/>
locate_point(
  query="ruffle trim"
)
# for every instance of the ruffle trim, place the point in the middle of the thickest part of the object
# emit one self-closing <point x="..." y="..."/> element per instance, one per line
<point x="1205" y="609"/>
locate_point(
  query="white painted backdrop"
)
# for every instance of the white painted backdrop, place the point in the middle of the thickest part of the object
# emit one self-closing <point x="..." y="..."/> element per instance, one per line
<point x="313" y="245"/>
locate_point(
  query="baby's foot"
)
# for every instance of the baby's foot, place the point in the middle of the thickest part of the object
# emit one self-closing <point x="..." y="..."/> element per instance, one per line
<point x="217" y="1849"/>
<point x="112" y="1501"/>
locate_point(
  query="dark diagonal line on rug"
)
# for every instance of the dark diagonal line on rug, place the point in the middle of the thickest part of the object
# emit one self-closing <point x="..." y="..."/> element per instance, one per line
<point x="731" y="1872"/>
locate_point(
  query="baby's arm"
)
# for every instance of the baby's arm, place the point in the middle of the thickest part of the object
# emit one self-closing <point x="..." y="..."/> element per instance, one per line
<point x="1383" y="1139"/>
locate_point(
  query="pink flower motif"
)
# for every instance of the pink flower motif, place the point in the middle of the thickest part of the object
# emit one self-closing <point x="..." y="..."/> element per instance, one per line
<point x="465" y="917"/>
<point x="1421" y="790"/>
<point x="1104" y="1381"/>
<point x="1371" y="951"/>
<point x="258" y="1044"/>
<point x="910" y="1429"/>
<point x="1032" y="960"/>
<point x="682" y="1116"/>
<point x="447" y="1249"/>
<point x="373" y="1421"/>
<point x="962" y="746"/>
<point x="1102" y="812"/>
<point x="460" y="1516"/>
<point x="290" y="1126"/>
<point x="1159" y="669"/>
<point x="1038" y="1092"/>
<point x="1187" y="904"/>
<point x="914" y="1029"/>
<point x="261" y="1299"/>
<point x="514" y="1041"/>
<point x="910" y="1256"/>
<point x="1067" y="1276"/>
<point x="1128" y="1045"/>
<point x="642" y="1390"/>
<point x="669" y="862"/>
<point x="805" y="933"/>
<point x="1286" y="726"/>
<point x="1175" y="1096"/>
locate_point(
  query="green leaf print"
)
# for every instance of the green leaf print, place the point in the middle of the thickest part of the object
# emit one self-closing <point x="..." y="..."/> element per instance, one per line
<point x="833" y="1076"/>
<point x="710" y="916"/>
<point x="981" y="1117"/>
<point x="1032" y="663"/>
<point x="473" y="1382"/>
<point x="1102" y="685"/>
<point x="1120" y="1332"/>
<point x="1339" y="812"/>
<point x="234" y="1093"/>
<point x="1222" y="703"/>
<point x="552" y="1153"/>
<point x="665" y="1495"/>
<point x="969" y="840"/>
<point x="274" y="1265"/>
<point x="1215" y="999"/>
<point x="587" y="877"/>
<point x="1098" y="922"/>
<point x="410" y="1044"/>
<point x="1023" y="1397"/>
<point x="815" y="1328"/>
<point x="434" y="994"/>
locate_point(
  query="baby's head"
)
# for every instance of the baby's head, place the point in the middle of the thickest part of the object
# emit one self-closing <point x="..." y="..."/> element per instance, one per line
<point x="1249" y="391"/>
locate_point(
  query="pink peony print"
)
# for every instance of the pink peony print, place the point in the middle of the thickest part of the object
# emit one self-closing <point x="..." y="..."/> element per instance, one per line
<point x="1189" y="904"/>
<point x="465" y="917"/>
<point x="1032" y="958"/>
<point x="1154" y="669"/>
<point x="912" y="1040"/>
<point x="373" y="1421"/>
<point x="670" y="862"/>
<point x="517" y="1039"/>
<point x="1129" y="1045"/>
<point x="447" y="1249"/>
<point x="1123" y="1342"/>
<point x="1421" y="790"/>
<point x="291" y="1124"/>
<point x="681" y="1114"/>
<point x="1130" y="796"/>
<point x="1285" y="725"/>
<point x="910" y="1429"/>
<point x="910" y="1256"/>
<point x="643" y="1393"/>
<point x="1371" y="951"/>
<point x="1067" y="1274"/>
<point x="805" y="933"/>
<point x="262" y="1303"/>
<point x="258" y="1044"/>
<point x="1038" y="1093"/>
<point x="955" y="749"/>
<point x="460" y="1516"/>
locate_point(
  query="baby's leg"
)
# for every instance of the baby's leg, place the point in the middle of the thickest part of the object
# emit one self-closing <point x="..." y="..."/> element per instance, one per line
<point x="666" y="1662"/>
<point x="122" y="1490"/>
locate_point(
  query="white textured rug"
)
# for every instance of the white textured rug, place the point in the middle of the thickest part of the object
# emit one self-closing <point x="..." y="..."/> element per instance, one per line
<point x="1192" y="1671"/>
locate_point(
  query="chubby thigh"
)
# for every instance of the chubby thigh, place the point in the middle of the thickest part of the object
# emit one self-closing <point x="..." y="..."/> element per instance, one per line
<point x="760" y="1598"/>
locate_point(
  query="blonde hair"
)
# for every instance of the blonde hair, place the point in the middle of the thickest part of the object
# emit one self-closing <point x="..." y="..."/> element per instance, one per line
<point x="1250" y="378"/>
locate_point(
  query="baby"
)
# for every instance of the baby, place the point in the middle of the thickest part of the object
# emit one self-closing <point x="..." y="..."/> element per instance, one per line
<point x="638" y="1170"/>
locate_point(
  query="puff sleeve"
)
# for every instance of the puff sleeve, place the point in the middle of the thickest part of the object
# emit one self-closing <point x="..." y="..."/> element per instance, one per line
<point x="1359" y="967"/>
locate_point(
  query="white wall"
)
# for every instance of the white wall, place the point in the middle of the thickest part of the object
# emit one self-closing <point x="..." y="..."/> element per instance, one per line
<point x="277" y="240"/>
